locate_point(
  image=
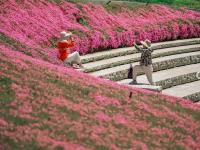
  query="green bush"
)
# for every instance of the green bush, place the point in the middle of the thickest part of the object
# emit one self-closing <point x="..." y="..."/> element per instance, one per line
<point x="180" y="3"/>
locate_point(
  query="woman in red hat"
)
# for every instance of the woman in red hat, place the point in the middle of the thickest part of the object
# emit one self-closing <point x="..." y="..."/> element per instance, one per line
<point x="64" y="45"/>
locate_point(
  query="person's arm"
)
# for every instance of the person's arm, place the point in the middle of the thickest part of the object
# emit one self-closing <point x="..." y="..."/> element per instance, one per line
<point x="137" y="47"/>
<point x="150" y="50"/>
<point x="66" y="44"/>
<point x="71" y="43"/>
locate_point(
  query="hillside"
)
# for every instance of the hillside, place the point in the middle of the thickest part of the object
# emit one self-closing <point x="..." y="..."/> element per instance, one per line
<point x="39" y="24"/>
<point x="45" y="105"/>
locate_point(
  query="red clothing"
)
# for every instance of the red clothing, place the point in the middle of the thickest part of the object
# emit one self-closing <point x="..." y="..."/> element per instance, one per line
<point x="64" y="48"/>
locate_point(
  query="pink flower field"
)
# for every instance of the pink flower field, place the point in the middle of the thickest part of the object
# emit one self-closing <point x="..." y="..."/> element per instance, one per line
<point x="39" y="24"/>
<point x="45" y="105"/>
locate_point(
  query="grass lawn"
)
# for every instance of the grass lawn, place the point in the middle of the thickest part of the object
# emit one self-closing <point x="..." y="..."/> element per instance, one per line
<point x="180" y="3"/>
<point x="193" y="4"/>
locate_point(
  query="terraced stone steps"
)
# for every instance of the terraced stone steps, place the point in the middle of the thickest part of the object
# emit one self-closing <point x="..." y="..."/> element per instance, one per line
<point x="162" y="63"/>
<point x="148" y="87"/>
<point x="170" y="77"/>
<point x="131" y="50"/>
<point x="195" y="97"/>
<point x="120" y="60"/>
<point x="185" y="90"/>
<point x="175" y="64"/>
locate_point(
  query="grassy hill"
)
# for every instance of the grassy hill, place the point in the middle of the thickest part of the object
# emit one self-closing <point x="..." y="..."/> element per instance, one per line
<point x="45" y="105"/>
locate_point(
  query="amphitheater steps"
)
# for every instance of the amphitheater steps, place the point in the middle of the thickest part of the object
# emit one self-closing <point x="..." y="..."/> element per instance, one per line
<point x="195" y="97"/>
<point x="120" y="60"/>
<point x="131" y="50"/>
<point x="175" y="64"/>
<point x="185" y="90"/>
<point x="170" y="77"/>
<point x="162" y="63"/>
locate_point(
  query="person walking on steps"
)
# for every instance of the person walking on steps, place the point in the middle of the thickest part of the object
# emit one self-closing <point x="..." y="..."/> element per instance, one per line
<point x="64" y="54"/>
<point x="145" y="62"/>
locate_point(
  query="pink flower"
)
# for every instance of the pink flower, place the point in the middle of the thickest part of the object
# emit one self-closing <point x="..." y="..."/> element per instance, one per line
<point x="40" y="26"/>
<point x="3" y="122"/>
<point x="120" y="119"/>
<point x="106" y="101"/>
<point x="139" y="144"/>
<point x="102" y="117"/>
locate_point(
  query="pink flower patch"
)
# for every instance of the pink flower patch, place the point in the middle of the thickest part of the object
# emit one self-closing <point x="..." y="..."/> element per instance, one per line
<point x="65" y="144"/>
<point x="21" y="93"/>
<point x="99" y="129"/>
<point x="107" y="101"/>
<point x="140" y="144"/>
<point x="120" y="120"/>
<point x="26" y="108"/>
<point x="60" y="101"/>
<point x="14" y="86"/>
<point x="114" y="147"/>
<point x="57" y="101"/>
<point x="3" y="122"/>
<point x="102" y="117"/>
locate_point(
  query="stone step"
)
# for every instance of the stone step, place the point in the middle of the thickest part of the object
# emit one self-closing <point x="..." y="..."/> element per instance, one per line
<point x="184" y="90"/>
<point x="116" y="61"/>
<point x="131" y="50"/>
<point x="194" y="97"/>
<point x="170" y="77"/>
<point x="162" y="63"/>
<point x="148" y="87"/>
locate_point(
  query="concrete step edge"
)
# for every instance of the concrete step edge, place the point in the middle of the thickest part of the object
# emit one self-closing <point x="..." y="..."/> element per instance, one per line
<point x="131" y="50"/>
<point x="154" y="88"/>
<point x="162" y="65"/>
<point x="166" y="74"/>
<point x="183" y="90"/>
<point x="194" y="97"/>
<point x="173" y="81"/>
<point x="178" y="80"/>
<point x="119" y="68"/>
<point x="136" y="59"/>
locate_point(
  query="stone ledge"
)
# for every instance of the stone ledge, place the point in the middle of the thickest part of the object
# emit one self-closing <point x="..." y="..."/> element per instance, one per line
<point x="136" y="59"/>
<point x="194" y="97"/>
<point x="106" y="56"/>
<point x="173" y="81"/>
<point x="178" y="80"/>
<point x="132" y="50"/>
<point x="148" y="87"/>
<point x="158" y="66"/>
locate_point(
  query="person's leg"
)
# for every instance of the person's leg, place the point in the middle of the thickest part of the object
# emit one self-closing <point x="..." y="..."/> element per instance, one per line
<point x="74" y="59"/>
<point x="78" y="60"/>
<point x="148" y="71"/>
<point x="69" y="60"/>
<point x="136" y="69"/>
<point x="77" y="57"/>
